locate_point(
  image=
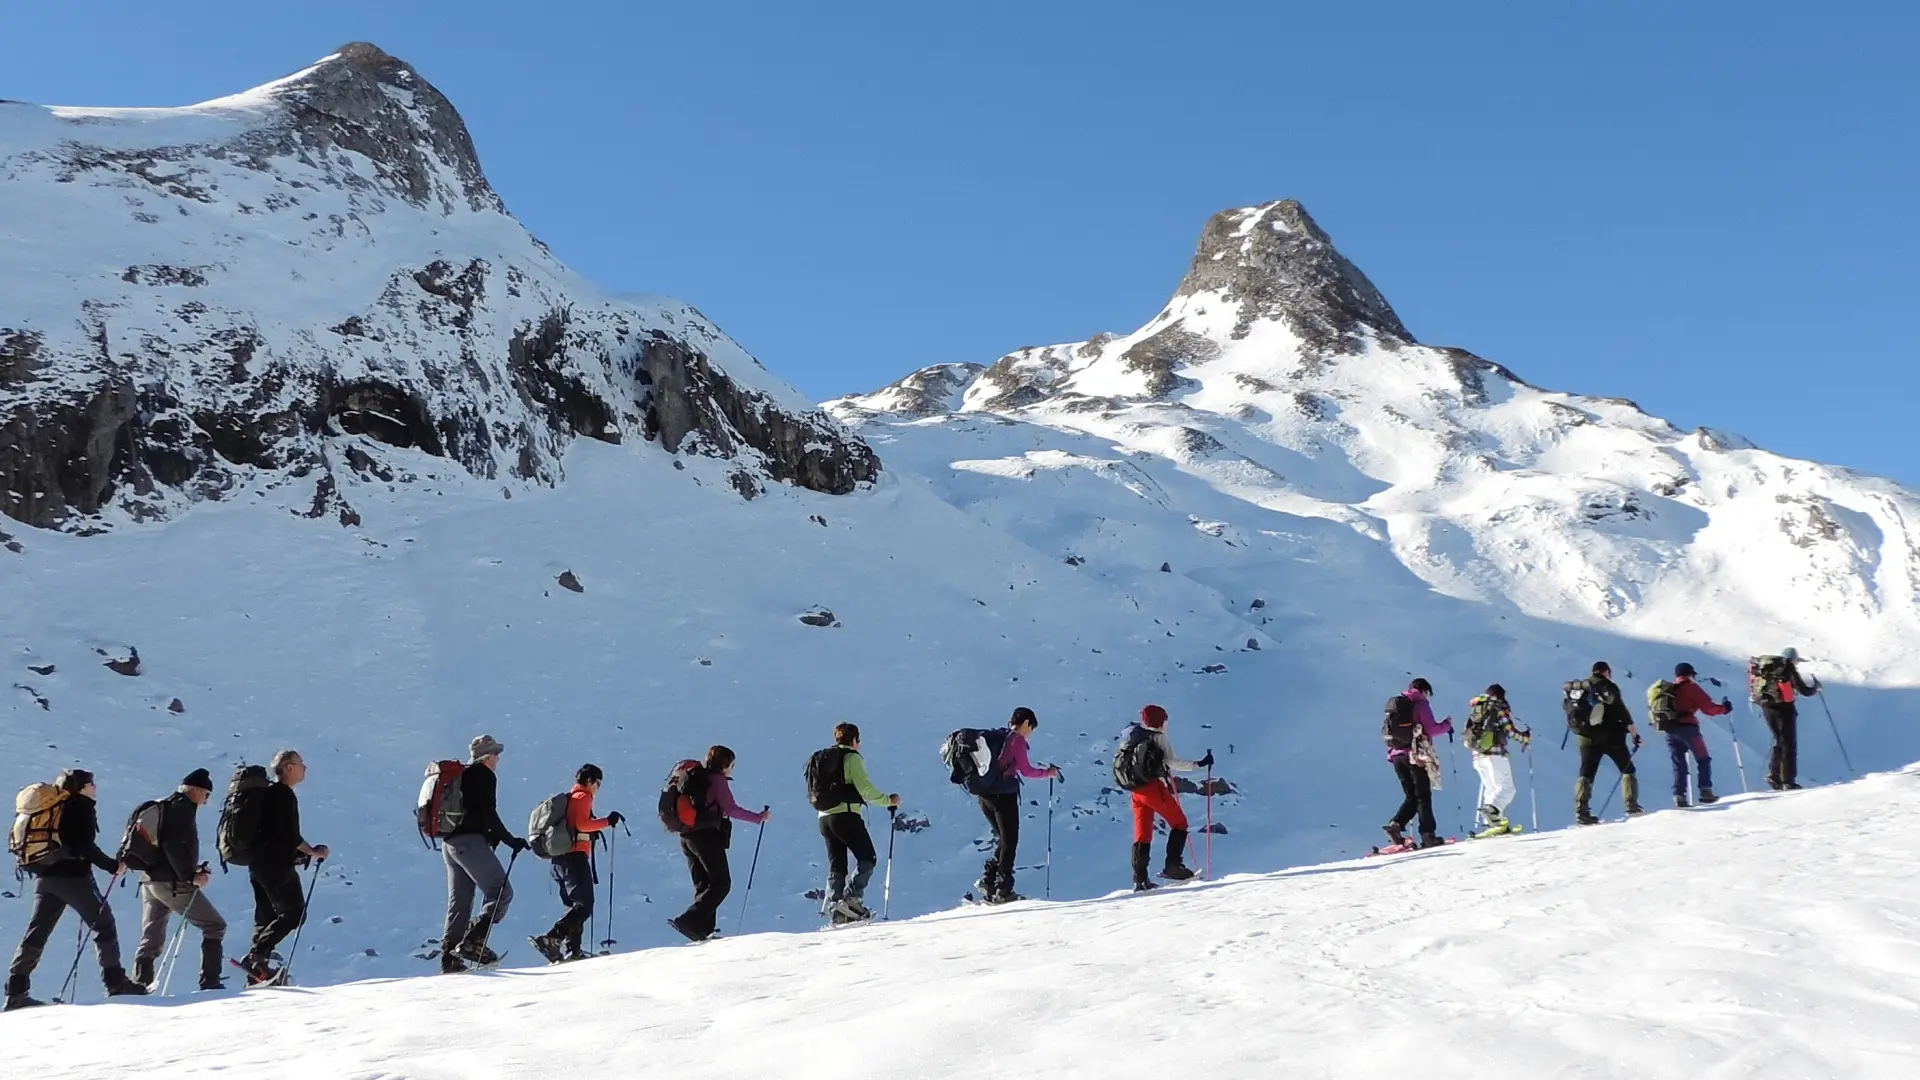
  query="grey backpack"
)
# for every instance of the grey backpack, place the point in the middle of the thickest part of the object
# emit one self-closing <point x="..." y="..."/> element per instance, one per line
<point x="548" y="834"/>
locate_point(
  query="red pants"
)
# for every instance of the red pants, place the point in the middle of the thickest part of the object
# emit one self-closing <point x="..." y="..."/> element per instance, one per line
<point x="1158" y="798"/>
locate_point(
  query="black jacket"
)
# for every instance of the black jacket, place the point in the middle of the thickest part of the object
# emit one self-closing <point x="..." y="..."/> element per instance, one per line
<point x="179" y="840"/>
<point x="480" y="805"/>
<point x="279" y="840"/>
<point x="80" y="837"/>
<point x="1611" y="717"/>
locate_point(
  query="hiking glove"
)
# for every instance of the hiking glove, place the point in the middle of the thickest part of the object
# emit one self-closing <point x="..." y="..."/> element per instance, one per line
<point x="1636" y="741"/>
<point x="1207" y="762"/>
<point x="1726" y="703"/>
<point x="615" y="818"/>
<point x="515" y="845"/>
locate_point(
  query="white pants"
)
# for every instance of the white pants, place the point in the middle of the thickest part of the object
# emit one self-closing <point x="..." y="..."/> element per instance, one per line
<point x="1496" y="781"/>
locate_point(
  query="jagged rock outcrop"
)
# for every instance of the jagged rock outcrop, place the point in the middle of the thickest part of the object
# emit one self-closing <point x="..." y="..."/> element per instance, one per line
<point x="306" y="286"/>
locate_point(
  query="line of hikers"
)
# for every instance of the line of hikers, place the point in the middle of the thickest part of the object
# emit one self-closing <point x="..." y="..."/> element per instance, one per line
<point x="56" y="828"/>
<point x="1603" y="728"/>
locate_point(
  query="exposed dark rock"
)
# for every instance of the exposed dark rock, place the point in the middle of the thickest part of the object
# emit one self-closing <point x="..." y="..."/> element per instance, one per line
<point x="1192" y="787"/>
<point x="41" y="669"/>
<point x="176" y="706"/>
<point x="911" y="823"/>
<point x="568" y="581"/>
<point x="929" y="391"/>
<point x="128" y="666"/>
<point x="38" y="698"/>
<point x="1276" y="262"/>
<point x="1166" y="568"/>
<point x="65" y="455"/>
<point x="192" y="277"/>
<point x="1218" y="828"/>
<point x="1160" y="356"/>
<point x="1253" y="644"/>
<point x="1213" y="669"/>
<point x="819" y="617"/>
<point x="1075" y="560"/>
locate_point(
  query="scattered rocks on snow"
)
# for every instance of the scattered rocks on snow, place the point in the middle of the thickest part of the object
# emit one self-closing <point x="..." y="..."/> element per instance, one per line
<point x="176" y="706"/>
<point x="817" y="520"/>
<point x="41" y="669"/>
<point x="1217" y="829"/>
<point x="1257" y="604"/>
<point x="1213" y="669"/>
<point x="129" y="666"/>
<point x="911" y="823"/>
<point x="1253" y="644"/>
<point x="1075" y="560"/>
<point x="704" y="662"/>
<point x="39" y="700"/>
<point x="819" y="617"/>
<point x="1166" y="568"/>
<point x="1190" y="787"/>
<point x="569" y="582"/>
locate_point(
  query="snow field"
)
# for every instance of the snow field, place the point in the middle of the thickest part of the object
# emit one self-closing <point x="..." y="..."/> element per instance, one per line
<point x="1766" y="937"/>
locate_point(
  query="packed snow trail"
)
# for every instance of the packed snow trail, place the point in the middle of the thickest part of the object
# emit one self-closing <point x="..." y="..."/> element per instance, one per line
<point x="1768" y="936"/>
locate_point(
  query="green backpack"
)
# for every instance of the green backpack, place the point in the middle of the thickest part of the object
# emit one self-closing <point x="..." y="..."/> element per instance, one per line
<point x="1662" y="707"/>
<point x="1486" y="724"/>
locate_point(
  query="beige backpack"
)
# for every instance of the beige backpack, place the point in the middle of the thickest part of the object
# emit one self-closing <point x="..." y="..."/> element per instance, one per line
<point x="34" y="839"/>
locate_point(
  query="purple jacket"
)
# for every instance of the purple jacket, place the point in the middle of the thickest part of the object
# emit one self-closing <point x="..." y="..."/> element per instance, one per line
<point x="1423" y="712"/>
<point x="1014" y="761"/>
<point x="720" y="796"/>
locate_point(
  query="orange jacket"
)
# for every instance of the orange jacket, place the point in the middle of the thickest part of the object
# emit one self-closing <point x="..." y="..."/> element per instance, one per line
<point x="581" y="820"/>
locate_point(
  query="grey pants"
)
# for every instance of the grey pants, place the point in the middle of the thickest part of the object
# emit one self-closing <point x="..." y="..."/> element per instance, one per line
<point x="159" y="902"/>
<point x="52" y="896"/>
<point x="471" y="865"/>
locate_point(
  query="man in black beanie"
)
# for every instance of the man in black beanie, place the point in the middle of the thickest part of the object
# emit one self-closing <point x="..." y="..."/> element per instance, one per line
<point x="173" y="885"/>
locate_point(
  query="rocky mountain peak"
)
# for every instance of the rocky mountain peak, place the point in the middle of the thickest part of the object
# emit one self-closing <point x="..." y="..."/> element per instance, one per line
<point x="1276" y="262"/>
<point x="363" y="100"/>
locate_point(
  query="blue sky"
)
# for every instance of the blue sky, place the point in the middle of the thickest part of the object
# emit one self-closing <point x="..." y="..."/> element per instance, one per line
<point x="1707" y="207"/>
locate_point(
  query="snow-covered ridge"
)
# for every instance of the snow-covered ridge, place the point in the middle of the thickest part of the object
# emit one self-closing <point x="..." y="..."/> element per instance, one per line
<point x="274" y="289"/>
<point x="1770" y="936"/>
<point x="1279" y="378"/>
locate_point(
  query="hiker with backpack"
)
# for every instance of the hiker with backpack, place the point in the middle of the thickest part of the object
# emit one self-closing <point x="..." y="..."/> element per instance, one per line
<point x="572" y="865"/>
<point x="1601" y="725"/>
<point x="1774" y="684"/>
<point x="704" y="809"/>
<point x="1490" y="725"/>
<point x="55" y="837"/>
<point x="175" y="879"/>
<point x="1144" y="764"/>
<point x="260" y="829"/>
<point x="1675" y="708"/>
<point x="472" y="866"/>
<point x="839" y="789"/>
<point x="990" y="765"/>
<point x="1408" y="731"/>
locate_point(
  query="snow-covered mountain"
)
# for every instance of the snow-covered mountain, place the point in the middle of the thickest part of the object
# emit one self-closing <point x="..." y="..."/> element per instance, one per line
<point x="1278" y="385"/>
<point x="204" y="301"/>
<point x="1766" y="938"/>
<point x="1264" y="511"/>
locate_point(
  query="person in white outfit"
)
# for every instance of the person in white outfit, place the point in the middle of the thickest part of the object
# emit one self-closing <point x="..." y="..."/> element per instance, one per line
<point x="1489" y="726"/>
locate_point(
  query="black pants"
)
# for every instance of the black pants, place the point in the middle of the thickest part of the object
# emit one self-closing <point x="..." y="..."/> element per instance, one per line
<point x="1003" y="815"/>
<point x="52" y="896"/>
<point x="706" y="854"/>
<point x="847" y="833"/>
<point x="1419" y="792"/>
<point x="1592" y="751"/>
<point x="573" y="872"/>
<point x="278" y="907"/>
<point x="1783" y="719"/>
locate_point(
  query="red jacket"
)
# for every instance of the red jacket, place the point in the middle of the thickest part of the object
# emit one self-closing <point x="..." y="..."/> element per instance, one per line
<point x="581" y="820"/>
<point x="1690" y="697"/>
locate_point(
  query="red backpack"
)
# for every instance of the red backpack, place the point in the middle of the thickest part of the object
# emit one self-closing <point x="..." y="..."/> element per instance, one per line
<point x="440" y="808"/>
<point x="683" y="802"/>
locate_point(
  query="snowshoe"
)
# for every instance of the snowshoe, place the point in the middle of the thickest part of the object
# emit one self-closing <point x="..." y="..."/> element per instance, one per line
<point x="477" y="955"/>
<point x="118" y="985"/>
<point x="452" y="965"/>
<point x="1144" y="886"/>
<point x="547" y="948"/>
<point x="21" y="1001"/>
<point x="1177" y="872"/>
<point x="1005" y="898"/>
<point x="686" y="933"/>
<point x="1396" y="833"/>
<point x="1790" y="787"/>
<point x="260" y="973"/>
<point x="1431" y="840"/>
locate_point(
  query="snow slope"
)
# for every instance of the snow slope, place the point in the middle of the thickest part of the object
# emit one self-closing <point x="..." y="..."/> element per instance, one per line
<point x="1767" y="937"/>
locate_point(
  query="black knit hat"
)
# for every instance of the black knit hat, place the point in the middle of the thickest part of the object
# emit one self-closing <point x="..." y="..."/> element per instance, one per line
<point x="1684" y="670"/>
<point x="1496" y="690"/>
<point x="199" y="778"/>
<point x="74" y="781"/>
<point x="1601" y="667"/>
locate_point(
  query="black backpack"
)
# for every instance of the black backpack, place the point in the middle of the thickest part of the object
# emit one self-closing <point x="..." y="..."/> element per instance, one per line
<point x="1764" y="676"/>
<point x="1400" y="724"/>
<point x="827" y="785"/>
<point x="239" y="827"/>
<point x="683" y="801"/>
<point x="140" y="844"/>
<point x="1139" y="760"/>
<point x="1578" y="701"/>
<point x="963" y="752"/>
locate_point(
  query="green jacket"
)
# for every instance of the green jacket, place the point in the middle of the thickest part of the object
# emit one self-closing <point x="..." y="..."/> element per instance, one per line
<point x="856" y="770"/>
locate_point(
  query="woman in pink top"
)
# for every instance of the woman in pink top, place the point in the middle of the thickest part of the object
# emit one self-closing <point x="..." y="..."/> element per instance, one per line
<point x="705" y="847"/>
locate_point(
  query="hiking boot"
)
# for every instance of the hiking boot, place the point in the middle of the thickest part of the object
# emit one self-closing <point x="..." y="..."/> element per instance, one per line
<point x="143" y="971"/>
<point x="574" y="954"/>
<point x="1791" y="787"/>
<point x="1581" y="816"/>
<point x="1707" y="797"/>
<point x="1144" y="886"/>
<point x="476" y="953"/>
<point x="1396" y="833"/>
<point x="452" y="965"/>
<point x="1428" y="840"/>
<point x="548" y="948"/>
<point x="1005" y="898"/>
<point x="839" y="917"/>
<point x="1176" y="868"/>
<point x="848" y="910"/>
<point x="21" y="1001"/>
<point x="1630" y="787"/>
<point x="118" y="985"/>
<point x="1141" y="853"/>
<point x="1680" y="802"/>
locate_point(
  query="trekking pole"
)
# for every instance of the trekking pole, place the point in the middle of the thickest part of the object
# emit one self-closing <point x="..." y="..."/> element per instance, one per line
<point x="69" y="986"/>
<point x="593" y="864"/>
<point x="306" y="909"/>
<point x="1453" y="769"/>
<point x="886" y="888"/>
<point x="1738" y="763"/>
<point x="1049" y="837"/>
<point x="172" y="955"/>
<point x="1533" y="791"/>
<point x="747" y="896"/>
<point x="1836" y="736"/>
<point x="613" y="898"/>
<point x="491" y="920"/>
<point x="1610" y="795"/>
<point x="1207" y="874"/>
